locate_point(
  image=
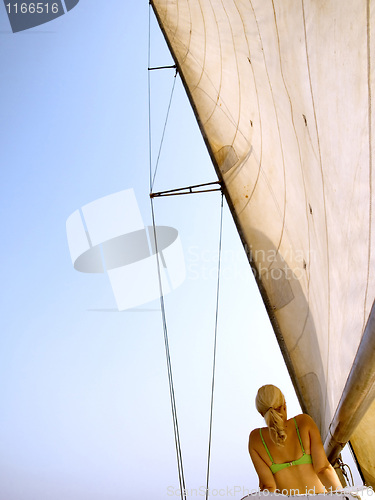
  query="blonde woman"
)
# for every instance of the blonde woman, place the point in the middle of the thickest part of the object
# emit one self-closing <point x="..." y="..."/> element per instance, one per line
<point x="288" y="454"/>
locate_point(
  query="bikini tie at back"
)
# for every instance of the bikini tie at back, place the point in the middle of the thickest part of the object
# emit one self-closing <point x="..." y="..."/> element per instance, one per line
<point x="305" y="459"/>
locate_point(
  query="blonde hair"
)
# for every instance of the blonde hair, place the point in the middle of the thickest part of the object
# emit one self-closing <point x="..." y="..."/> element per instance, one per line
<point x="268" y="402"/>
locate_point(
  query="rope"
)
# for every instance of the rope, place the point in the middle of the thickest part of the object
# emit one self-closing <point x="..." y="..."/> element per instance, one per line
<point x="152" y="177"/>
<point x="149" y="95"/>
<point x="341" y="465"/>
<point x="169" y="368"/>
<point x="165" y="126"/>
<point x="215" y="342"/>
<point x="162" y="305"/>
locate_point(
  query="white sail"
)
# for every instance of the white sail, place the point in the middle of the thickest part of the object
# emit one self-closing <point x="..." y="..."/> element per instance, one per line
<point x="282" y="90"/>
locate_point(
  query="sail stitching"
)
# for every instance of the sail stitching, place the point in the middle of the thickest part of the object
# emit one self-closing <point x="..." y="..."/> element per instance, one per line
<point x="261" y="170"/>
<point x="182" y="62"/>
<point x="190" y="29"/>
<point x="282" y="211"/>
<point x="218" y="90"/>
<point x="301" y="165"/>
<point x="259" y="114"/>
<point x="224" y="108"/>
<point x="205" y="47"/>
<point x="227" y="111"/>
<point x="324" y="205"/>
<point x="238" y="79"/>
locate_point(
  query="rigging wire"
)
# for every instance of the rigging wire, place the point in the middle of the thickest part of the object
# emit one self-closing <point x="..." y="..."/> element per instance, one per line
<point x="165" y="126"/>
<point x="215" y="344"/>
<point x="355" y="459"/>
<point x="152" y="177"/>
<point x="169" y="368"/>
<point x="181" y="476"/>
<point x="343" y="467"/>
<point x="149" y="95"/>
<point x="162" y="304"/>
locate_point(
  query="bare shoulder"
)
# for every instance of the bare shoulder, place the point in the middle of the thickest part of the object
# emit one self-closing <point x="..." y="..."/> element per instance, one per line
<point x="307" y="424"/>
<point x="254" y="437"/>
<point x="304" y="420"/>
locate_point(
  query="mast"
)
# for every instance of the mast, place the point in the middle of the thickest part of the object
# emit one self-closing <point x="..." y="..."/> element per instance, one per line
<point x="357" y="397"/>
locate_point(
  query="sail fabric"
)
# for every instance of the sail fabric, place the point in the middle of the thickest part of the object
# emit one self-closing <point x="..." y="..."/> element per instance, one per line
<point x="362" y="441"/>
<point x="283" y="93"/>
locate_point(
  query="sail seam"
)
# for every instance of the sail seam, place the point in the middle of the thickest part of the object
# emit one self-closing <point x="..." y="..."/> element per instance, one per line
<point x="227" y="111"/>
<point x="218" y="90"/>
<point x="301" y="166"/>
<point x="189" y="89"/>
<point x="177" y="20"/>
<point x="224" y="108"/>
<point x="238" y="78"/>
<point x="324" y="205"/>
<point x="259" y="115"/>
<point x="205" y="48"/>
<point x="190" y="34"/>
<point x="282" y="211"/>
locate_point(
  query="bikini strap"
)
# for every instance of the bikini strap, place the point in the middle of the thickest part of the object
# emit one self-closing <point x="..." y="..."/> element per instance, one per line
<point x="264" y="443"/>
<point x="299" y="437"/>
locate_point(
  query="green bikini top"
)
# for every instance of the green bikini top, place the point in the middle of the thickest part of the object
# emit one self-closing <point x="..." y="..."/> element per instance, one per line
<point x="305" y="459"/>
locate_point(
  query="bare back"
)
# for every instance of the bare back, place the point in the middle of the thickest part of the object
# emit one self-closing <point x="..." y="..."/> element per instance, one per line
<point x="301" y="478"/>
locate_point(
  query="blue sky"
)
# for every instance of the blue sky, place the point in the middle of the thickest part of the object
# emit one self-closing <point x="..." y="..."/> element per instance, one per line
<point x="84" y="402"/>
